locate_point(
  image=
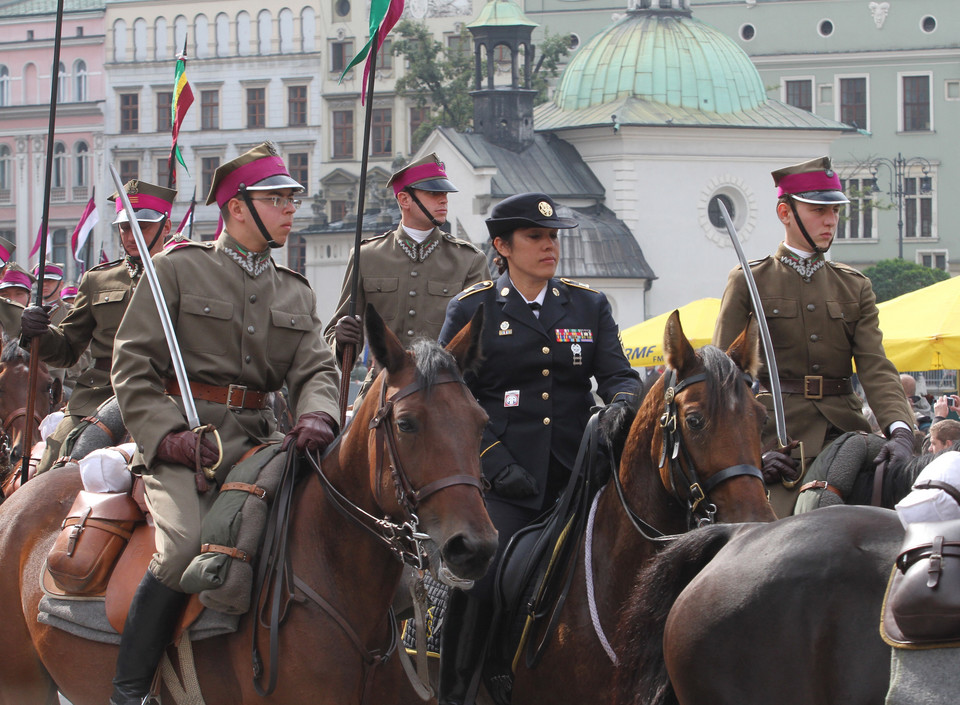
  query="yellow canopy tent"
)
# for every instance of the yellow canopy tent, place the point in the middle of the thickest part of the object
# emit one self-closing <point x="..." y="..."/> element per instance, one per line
<point x="643" y="343"/>
<point x="921" y="329"/>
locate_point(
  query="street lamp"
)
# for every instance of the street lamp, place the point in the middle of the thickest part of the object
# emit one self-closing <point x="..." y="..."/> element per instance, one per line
<point x="898" y="170"/>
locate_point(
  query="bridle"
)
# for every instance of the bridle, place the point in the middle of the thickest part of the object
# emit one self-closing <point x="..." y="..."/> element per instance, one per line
<point x="677" y="468"/>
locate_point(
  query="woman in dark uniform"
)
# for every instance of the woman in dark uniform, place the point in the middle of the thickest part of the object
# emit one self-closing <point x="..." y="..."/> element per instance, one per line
<point x="543" y="340"/>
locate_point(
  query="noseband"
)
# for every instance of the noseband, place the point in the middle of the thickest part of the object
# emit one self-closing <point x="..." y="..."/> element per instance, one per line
<point x="684" y="474"/>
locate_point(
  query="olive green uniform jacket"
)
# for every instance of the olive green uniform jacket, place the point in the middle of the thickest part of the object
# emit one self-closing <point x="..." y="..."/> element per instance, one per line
<point x="10" y="313"/>
<point x="410" y="294"/>
<point x="818" y="326"/>
<point x="233" y="328"/>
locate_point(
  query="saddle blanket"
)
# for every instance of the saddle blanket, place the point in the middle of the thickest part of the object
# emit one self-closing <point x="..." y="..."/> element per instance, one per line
<point x="436" y="609"/>
<point x="924" y="677"/>
<point x="87" y="618"/>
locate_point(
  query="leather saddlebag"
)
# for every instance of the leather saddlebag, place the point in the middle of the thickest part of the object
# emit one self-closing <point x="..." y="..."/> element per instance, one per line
<point x="91" y="539"/>
<point x="925" y="597"/>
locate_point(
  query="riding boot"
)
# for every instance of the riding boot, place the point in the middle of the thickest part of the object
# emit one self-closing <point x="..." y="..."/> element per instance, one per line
<point x="462" y="640"/>
<point x="151" y="622"/>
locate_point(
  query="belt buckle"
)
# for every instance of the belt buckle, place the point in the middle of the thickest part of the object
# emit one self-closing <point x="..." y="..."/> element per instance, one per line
<point x="242" y="388"/>
<point x="808" y="381"/>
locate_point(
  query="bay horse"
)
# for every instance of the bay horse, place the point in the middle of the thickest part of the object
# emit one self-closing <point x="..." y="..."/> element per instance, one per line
<point x="692" y="456"/>
<point x="14" y="383"/>
<point x="409" y="461"/>
<point x="753" y="614"/>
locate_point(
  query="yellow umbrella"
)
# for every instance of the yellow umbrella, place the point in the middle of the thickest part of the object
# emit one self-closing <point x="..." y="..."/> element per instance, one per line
<point x="921" y="329"/>
<point x="643" y="343"/>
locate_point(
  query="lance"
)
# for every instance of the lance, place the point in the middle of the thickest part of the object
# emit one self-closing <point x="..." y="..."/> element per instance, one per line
<point x="349" y="356"/>
<point x="44" y="227"/>
<point x="778" y="413"/>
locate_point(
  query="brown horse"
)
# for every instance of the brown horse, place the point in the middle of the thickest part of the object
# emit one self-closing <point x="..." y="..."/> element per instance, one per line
<point x="14" y="383"/>
<point x="703" y="415"/>
<point x="784" y="613"/>
<point x="412" y="464"/>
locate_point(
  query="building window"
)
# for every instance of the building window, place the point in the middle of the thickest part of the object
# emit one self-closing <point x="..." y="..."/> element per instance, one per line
<point x="381" y="132"/>
<point x="298" y="163"/>
<point x="343" y="134"/>
<point x="928" y="24"/>
<point x="256" y="107"/>
<point x="81" y="172"/>
<point x="799" y="94"/>
<point x="856" y="222"/>
<point x="853" y="102"/>
<point x="825" y="28"/>
<point x="59" y="253"/>
<point x="338" y="211"/>
<point x="297" y="254"/>
<point x="208" y="165"/>
<point x="916" y="103"/>
<point x="340" y="55"/>
<point x="917" y="207"/>
<point x="713" y="210"/>
<point x="748" y="32"/>
<point x="937" y="259"/>
<point x="6" y="173"/>
<point x="59" y="179"/>
<point x="163" y="171"/>
<point x="129" y="113"/>
<point x="4" y="86"/>
<point x="418" y="116"/>
<point x="296" y="106"/>
<point x="385" y="56"/>
<point x="80" y="80"/>
<point x="209" y="110"/>
<point x="129" y="169"/>
<point x="164" y="106"/>
<point x="62" y="84"/>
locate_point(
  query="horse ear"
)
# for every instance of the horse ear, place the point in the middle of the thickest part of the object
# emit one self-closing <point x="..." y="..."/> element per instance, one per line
<point x="745" y="350"/>
<point x="678" y="353"/>
<point x="465" y="346"/>
<point x="385" y="346"/>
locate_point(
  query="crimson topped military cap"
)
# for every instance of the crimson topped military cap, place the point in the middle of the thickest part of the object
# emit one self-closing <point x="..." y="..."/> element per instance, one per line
<point x="427" y="174"/>
<point x="151" y="203"/>
<point x="526" y="210"/>
<point x="813" y="181"/>
<point x="260" y="169"/>
<point x="6" y="250"/>
<point x="69" y="292"/>
<point x="17" y="276"/>
<point x="51" y="270"/>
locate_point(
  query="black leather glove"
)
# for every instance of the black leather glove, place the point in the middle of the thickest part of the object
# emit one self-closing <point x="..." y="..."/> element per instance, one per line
<point x="897" y="450"/>
<point x="513" y="482"/>
<point x="778" y="465"/>
<point x="314" y="431"/>
<point x="348" y="331"/>
<point x="181" y="447"/>
<point x="34" y="321"/>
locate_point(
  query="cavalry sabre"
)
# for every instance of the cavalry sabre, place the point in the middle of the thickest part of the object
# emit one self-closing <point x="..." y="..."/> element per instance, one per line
<point x="771" y="360"/>
<point x="176" y="359"/>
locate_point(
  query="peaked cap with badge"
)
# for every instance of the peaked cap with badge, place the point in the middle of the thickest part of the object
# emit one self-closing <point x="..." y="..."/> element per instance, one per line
<point x="259" y="169"/>
<point x="51" y="270"/>
<point x="812" y="181"/>
<point x="526" y="210"/>
<point x="425" y="174"/>
<point x="151" y="203"/>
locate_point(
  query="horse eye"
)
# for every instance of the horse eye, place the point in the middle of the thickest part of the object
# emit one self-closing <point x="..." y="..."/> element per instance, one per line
<point x="406" y="424"/>
<point x="695" y="421"/>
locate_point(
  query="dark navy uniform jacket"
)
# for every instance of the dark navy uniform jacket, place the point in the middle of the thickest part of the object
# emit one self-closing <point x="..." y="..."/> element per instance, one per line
<point x="535" y="378"/>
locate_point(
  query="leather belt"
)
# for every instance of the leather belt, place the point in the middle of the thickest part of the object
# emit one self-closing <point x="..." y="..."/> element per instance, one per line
<point x="815" y="387"/>
<point x="235" y="396"/>
<point x="102" y="363"/>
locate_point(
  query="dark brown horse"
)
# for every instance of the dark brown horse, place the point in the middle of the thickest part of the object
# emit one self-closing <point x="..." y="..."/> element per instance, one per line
<point x="14" y="383"/>
<point x="416" y="452"/>
<point x="706" y="470"/>
<point x="784" y="613"/>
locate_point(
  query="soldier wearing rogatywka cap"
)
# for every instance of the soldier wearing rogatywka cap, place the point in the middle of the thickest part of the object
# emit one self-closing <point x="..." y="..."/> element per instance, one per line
<point x="821" y="315"/>
<point x="246" y="327"/>
<point x="85" y="335"/>
<point x="410" y="273"/>
<point x="15" y="286"/>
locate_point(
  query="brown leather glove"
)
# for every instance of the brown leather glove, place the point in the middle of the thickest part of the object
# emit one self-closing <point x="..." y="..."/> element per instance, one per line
<point x="779" y="465"/>
<point x="181" y="447"/>
<point x="314" y="431"/>
<point x="348" y="331"/>
<point x="34" y="321"/>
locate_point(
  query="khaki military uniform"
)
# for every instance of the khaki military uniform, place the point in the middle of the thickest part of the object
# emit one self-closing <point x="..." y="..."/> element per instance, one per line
<point x="10" y="313"/>
<point x="410" y="284"/>
<point x="234" y="328"/>
<point x="819" y="325"/>
<point x="86" y="331"/>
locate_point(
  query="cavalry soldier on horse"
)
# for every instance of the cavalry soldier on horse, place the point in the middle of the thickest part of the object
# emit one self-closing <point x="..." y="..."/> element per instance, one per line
<point x="821" y="314"/>
<point x="92" y="323"/>
<point x="14" y="296"/>
<point x="245" y="327"/>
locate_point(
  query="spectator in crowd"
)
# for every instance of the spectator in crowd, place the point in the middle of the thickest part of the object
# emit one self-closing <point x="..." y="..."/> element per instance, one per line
<point x="919" y="404"/>
<point x="943" y="434"/>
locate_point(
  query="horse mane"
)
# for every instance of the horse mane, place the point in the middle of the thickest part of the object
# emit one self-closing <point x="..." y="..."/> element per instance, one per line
<point x="12" y="352"/>
<point x="432" y="361"/>
<point x="725" y="387"/>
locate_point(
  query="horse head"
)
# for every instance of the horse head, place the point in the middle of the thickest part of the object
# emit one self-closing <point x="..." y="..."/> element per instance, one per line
<point x="423" y="447"/>
<point x="14" y="393"/>
<point x="703" y="423"/>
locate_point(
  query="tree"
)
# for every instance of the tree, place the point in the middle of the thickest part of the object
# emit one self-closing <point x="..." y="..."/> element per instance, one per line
<point x="552" y="50"/>
<point x="894" y="277"/>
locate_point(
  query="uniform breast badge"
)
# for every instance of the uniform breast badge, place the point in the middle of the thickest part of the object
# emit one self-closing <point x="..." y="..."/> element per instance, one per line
<point x="505" y="328"/>
<point x="511" y="398"/>
<point x="574" y="335"/>
<point x="577" y="357"/>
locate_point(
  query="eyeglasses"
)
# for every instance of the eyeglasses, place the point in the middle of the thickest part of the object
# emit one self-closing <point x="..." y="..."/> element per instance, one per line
<point x="281" y="201"/>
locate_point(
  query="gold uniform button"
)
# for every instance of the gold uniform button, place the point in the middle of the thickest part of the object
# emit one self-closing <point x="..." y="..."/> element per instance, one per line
<point x="546" y="373"/>
<point x="545" y="395"/>
<point x="546" y="350"/>
<point x="546" y="421"/>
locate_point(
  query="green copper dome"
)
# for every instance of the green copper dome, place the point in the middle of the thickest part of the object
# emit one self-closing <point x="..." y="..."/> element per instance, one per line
<point x="665" y="57"/>
<point x="501" y="13"/>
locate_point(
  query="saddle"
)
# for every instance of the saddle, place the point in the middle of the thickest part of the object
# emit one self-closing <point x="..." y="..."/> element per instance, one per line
<point x="921" y="608"/>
